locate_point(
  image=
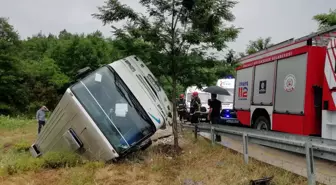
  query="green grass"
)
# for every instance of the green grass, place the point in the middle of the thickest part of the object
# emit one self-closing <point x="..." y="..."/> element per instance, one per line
<point x="12" y="123"/>
<point x="22" y="146"/>
<point x="14" y="153"/>
<point x="18" y="161"/>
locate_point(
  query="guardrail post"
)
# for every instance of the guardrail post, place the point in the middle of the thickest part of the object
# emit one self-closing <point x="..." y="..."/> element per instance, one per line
<point x="212" y="135"/>
<point x="310" y="164"/>
<point x="245" y="147"/>
<point x="195" y="131"/>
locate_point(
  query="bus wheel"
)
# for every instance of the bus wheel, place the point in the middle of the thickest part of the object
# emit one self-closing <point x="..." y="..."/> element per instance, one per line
<point x="262" y="123"/>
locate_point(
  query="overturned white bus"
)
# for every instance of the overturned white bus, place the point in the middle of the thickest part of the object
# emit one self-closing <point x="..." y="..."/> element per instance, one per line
<point x="106" y="114"/>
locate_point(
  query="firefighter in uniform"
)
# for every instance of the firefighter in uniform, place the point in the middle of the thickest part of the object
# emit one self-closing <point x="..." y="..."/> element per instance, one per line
<point x="181" y="107"/>
<point x="195" y="108"/>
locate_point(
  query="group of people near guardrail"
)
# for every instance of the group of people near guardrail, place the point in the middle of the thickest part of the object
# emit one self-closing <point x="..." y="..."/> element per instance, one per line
<point x="195" y="108"/>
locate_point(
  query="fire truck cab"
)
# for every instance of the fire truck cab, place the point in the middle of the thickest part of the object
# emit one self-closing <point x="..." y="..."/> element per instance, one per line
<point x="290" y="87"/>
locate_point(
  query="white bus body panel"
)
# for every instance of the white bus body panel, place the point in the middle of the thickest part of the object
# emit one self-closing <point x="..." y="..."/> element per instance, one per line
<point x="165" y="105"/>
<point x="69" y="113"/>
<point x="142" y="93"/>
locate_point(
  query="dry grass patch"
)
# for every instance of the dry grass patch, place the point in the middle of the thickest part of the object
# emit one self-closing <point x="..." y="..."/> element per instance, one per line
<point x="198" y="163"/>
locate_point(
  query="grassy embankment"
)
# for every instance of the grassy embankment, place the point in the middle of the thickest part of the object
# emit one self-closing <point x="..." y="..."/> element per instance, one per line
<point x="199" y="163"/>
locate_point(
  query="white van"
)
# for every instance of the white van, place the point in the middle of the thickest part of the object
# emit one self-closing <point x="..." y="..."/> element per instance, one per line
<point x="103" y="116"/>
<point x="228" y="84"/>
<point x="204" y="97"/>
<point x="228" y="115"/>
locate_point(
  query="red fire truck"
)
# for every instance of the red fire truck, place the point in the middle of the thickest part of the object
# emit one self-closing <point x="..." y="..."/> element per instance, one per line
<point x="290" y="87"/>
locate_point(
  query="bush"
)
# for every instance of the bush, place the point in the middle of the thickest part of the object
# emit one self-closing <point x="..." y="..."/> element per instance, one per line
<point x="17" y="162"/>
<point x="13" y="162"/>
<point x="26" y="163"/>
<point x="22" y="146"/>
<point x="61" y="160"/>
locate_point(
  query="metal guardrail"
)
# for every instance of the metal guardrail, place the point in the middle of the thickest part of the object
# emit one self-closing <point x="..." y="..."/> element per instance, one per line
<point x="309" y="146"/>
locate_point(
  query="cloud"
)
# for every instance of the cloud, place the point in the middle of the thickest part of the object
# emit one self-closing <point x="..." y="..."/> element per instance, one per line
<point x="280" y="20"/>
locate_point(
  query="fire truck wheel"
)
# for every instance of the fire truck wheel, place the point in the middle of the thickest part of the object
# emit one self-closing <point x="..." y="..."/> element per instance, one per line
<point x="262" y="123"/>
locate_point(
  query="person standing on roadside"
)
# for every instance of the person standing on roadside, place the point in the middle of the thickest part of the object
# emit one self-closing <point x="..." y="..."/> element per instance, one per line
<point x="40" y="117"/>
<point x="181" y="107"/>
<point x="214" y="112"/>
<point x="215" y="109"/>
<point x="195" y="108"/>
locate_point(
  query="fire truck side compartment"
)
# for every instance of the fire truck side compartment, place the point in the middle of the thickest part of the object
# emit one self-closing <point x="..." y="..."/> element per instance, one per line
<point x="243" y="88"/>
<point x="294" y="108"/>
<point x="309" y="107"/>
<point x="291" y="99"/>
<point x="263" y="84"/>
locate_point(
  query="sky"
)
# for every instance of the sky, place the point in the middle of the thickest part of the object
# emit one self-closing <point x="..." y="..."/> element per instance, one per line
<point x="279" y="19"/>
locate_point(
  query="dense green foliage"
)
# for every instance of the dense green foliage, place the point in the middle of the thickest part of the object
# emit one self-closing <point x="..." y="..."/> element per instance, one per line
<point x="258" y="45"/>
<point x="36" y="71"/>
<point x="326" y="20"/>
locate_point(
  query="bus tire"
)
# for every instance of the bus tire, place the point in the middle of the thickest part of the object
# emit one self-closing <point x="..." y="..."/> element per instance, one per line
<point x="262" y="123"/>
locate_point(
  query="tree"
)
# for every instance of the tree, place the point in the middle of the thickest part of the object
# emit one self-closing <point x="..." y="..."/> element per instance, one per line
<point x="228" y="65"/>
<point x="13" y="92"/>
<point x="36" y="71"/>
<point x="72" y="52"/>
<point x="179" y="31"/>
<point x="258" y="45"/>
<point x="44" y="78"/>
<point x="326" y="20"/>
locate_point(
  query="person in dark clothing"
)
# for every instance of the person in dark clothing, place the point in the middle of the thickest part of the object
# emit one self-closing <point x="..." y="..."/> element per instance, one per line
<point x="195" y="108"/>
<point x="181" y="107"/>
<point x="215" y="108"/>
<point x="214" y="113"/>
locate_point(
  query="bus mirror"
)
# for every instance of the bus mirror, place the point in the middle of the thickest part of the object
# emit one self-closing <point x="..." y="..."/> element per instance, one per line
<point x="83" y="72"/>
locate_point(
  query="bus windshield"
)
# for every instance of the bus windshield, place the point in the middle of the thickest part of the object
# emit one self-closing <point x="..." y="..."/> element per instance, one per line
<point x="114" y="109"/>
